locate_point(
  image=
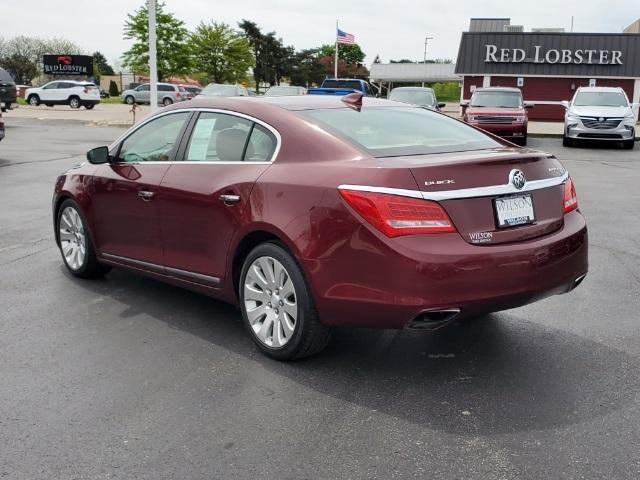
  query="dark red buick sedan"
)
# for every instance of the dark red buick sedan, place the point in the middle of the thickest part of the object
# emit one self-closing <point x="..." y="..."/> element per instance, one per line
<point x="310" y="212"/>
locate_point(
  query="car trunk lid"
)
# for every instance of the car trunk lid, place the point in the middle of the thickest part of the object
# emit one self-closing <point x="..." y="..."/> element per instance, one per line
<point x="477" y="191"/>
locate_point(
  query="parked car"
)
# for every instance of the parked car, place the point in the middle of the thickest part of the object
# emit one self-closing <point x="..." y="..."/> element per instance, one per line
<point x="1" y="127"/>
<point x="191" y="90"/>
<point x="167" y="94"/>
<point x="420" y="96"/>
<point x="284" y="90"/>
<point x="600" y="113"/>
<point x="381" y="215"/>
<point x="223" y="90"/>
<point x="64" y="92"/>
<point x="7" y="91"/>
<point x="343" y="86"/>
<point x="499" y="110"/>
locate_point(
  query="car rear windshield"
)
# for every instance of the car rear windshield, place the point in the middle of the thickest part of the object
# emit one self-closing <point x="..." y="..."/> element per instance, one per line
<point x="600" y="99"/>
<point x="219" y="90"/>
<point x="341" y="84"/>
<point x="399" y="131"/>
<point x="416" y="97"/>
<point x="496" y="99"/>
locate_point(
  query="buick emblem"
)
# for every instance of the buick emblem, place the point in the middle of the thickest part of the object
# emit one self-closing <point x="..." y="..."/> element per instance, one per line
<point x="601" y="119"/>
<point x="517" y="179"/>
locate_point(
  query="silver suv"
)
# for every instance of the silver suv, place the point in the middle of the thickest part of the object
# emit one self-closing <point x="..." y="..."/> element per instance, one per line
<point x="167" y="94"/>
<point x="600" y="113"/>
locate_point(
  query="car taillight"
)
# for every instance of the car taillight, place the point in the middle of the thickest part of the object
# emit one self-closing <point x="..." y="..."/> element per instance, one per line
<point x="86" y="90"/>
<point x="570" y="202"/>
<point x="395" y="215"/>
<point x="178" y="94"/>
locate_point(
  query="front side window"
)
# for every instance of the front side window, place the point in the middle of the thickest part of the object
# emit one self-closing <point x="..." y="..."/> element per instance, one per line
<point x="142" y="88"/>
<point x="50" y="86"/>
<point x="154" y="141"/>
<point x="398" y="131"/>
<point x="496" y="99"/>
<point x="600" y="99"/>
<point x="218" y="137"/>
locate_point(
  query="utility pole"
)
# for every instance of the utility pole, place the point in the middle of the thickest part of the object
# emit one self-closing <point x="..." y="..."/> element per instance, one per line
<point x="335" y="68"/>
<point x="426" y="40"/>
<point x="153" y="65"/>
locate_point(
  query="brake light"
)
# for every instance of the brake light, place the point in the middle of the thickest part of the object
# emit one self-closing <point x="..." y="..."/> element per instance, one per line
<point x="570" y="202"/>
<point x="178" y="94"/>
<point x="86" y="90"/>
<point x="395" y="215"/>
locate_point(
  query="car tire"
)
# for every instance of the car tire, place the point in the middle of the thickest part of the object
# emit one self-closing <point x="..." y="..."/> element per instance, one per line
<point x="74" y="102"/>
<point x="129" y="100"/>
<point x="49" y="104"/>
<point x="74" y="241"/>
<point x="629" y="144"/>
<point x="523" y="140"/>
<point x="167" y="101"/>
<point x="34" y="100"/>
<point x="277" y="307"/>
<point x="89" y="106"/>
<point x="566" y="141"/>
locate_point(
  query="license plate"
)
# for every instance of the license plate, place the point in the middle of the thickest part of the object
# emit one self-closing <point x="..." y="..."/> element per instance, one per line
<point x="512" y="211"/>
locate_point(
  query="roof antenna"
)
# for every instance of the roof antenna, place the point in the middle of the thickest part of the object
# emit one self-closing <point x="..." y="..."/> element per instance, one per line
<point x="353" y="100"/>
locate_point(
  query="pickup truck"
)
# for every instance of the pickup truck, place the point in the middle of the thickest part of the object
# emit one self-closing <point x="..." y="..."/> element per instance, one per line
<point x="342" y="86"/>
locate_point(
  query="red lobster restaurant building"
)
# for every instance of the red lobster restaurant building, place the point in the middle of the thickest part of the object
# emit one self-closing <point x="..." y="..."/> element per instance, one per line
<point x="549" y="67"/>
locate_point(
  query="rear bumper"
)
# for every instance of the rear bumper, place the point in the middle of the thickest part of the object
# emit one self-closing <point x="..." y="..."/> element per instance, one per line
<point x="388" y="283"/>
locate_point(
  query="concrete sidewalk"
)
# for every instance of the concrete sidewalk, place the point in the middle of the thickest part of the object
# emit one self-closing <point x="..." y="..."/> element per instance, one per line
<point x="119" y="115"/>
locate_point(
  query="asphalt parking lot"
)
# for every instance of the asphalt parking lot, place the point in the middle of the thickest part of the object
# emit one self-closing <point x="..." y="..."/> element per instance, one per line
<point x="129" y="378"/>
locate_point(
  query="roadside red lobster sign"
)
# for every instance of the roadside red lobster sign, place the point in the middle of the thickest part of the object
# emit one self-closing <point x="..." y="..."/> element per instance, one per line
<point x="67" y="64"/>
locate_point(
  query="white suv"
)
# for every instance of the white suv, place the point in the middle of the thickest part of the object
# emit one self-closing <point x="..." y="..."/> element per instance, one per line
<point x="600" y="113"/>
<point x="64" y="92"/>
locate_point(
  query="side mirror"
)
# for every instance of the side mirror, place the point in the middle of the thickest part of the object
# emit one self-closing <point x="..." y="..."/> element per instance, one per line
<point x="98" y="156"/>
<point x="441" y="105"/>
<point x="528" y="105"/>
<point x="565" y="104"/>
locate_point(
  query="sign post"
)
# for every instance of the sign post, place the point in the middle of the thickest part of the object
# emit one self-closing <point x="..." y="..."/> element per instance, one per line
<point x="153" y="66"/>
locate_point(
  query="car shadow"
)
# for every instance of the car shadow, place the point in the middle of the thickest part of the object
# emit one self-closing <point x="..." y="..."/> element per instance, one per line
<point x="496" y="374"/>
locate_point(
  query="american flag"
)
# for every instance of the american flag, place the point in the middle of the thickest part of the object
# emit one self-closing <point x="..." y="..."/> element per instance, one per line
<point x="346" y="38"/>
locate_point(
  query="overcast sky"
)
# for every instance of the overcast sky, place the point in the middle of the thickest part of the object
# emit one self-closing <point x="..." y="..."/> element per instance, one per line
<point x="393" y="29"/>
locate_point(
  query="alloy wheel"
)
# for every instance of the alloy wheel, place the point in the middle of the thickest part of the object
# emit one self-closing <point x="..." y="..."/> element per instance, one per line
<point x="73" y="241"/>
<point x="270" y="302"/>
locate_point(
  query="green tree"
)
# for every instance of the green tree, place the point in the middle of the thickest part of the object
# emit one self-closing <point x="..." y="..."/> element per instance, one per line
<point x="273" y="60"/>
<point x="348" y="53"/>
<point x="221" y="52"/>
<point x="173" y="54"/>
<point x="101" y="66"/>
<point x="307" y="69"/>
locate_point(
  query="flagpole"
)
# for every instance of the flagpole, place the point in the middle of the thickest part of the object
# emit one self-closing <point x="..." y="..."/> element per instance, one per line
<point x="335" y="71"/>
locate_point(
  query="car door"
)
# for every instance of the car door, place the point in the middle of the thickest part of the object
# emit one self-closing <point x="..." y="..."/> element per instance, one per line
<point x="123" y="194"/>
<point x="49" y="91"/>
<point x="143" y="94"/>
<point x="203" y="197"/>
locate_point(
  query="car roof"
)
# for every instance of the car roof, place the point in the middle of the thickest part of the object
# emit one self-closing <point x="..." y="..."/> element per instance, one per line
<point x="600" y="89"/>
<point x="497" y="89"/>
<point x="412" y="89"/>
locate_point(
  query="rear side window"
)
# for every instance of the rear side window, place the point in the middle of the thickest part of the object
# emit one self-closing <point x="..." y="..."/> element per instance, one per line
<point x="165" y="88"/>
<point x="398" y="131"/>
<point x="218" y="137"/>
<point x="341" y="84"/>
<point x="261" y="145"/>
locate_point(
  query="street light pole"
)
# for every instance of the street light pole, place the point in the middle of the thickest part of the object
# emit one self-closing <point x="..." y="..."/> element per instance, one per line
<point x="426" y="40"/>
<point x="153" y="65"/>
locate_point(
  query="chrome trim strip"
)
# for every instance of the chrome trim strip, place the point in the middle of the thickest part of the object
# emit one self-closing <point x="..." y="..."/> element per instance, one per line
<point x="275" y="132"/>
<point x="160" y="268"/>
<point x="489" y="191"/>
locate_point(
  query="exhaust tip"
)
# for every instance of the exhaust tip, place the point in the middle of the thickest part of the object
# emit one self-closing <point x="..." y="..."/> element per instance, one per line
<point x="433" y="319"/>
<point x="577" y="281"/>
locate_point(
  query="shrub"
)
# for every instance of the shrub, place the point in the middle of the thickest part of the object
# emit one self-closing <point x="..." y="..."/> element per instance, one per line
<point x="113" y="89"/>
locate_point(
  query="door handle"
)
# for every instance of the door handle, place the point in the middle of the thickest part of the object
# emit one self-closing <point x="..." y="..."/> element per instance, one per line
<point x="229" y="199"/>
<point x="145" y="195"/>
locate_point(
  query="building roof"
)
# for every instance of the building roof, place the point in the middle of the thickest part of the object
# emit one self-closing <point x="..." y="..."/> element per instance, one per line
<point x="413" y="72"/>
